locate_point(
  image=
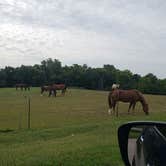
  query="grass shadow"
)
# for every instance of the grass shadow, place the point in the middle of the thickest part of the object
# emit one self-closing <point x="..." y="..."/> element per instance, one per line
<point x="6" y="131"/>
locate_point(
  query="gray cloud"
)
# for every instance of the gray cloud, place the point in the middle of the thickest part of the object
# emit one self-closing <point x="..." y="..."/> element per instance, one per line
<point x="128" y="34"/>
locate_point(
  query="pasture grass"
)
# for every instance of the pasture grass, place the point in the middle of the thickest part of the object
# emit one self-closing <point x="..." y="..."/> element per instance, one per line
<point x="70" y="130"/>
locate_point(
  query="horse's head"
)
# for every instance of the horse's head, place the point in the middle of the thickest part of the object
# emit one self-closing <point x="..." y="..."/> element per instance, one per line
<point x="146" y="109"/>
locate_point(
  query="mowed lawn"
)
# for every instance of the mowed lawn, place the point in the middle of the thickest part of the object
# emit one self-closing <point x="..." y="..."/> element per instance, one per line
<point x="70" y="130"/>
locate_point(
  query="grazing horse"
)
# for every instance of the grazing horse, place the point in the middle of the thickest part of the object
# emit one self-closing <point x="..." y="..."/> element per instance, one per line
<point x="129" y="96"/>
<point x="45" y="88"/>
<point x="22" y="86"/>
<point x="49" y="89"/>
<point x="53" y="88"/>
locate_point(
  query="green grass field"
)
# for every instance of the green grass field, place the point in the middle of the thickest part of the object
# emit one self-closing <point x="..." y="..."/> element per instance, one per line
<point x="74" y="130"/>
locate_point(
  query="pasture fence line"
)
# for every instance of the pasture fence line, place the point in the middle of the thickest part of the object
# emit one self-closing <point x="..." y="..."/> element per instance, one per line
<point x="15" y="110"/>
<point x="28" y="108"/>
<point x="29" y="112"/>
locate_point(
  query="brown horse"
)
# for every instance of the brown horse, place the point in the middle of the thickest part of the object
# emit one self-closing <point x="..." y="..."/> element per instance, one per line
<point x="61" y="87"/>
<point x="53" y="88"/>
<point x="22" y="86"/>
<point x="129" y="96"/>
<point x="45" y="88"/>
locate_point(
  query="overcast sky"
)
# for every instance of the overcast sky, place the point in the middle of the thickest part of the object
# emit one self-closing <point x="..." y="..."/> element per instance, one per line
<point x="129" y="34"/>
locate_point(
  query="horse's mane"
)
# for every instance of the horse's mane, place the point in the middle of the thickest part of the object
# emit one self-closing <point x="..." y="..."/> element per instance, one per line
<point x="141" y="97"/>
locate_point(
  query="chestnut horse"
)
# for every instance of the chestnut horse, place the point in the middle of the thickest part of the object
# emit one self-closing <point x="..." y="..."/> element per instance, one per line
<point x="53" y="88"/>
<point x="22" y="86"/>
<point x="129" y="96"/>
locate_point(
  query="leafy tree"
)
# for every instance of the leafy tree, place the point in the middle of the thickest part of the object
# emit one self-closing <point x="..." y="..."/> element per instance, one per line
<point x="51" y="71"/>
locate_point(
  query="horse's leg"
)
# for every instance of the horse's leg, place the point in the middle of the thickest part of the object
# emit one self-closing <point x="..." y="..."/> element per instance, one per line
<point x="114" y="106"/>
<point x="109" y="110"/>
<point x="41" y="93"/>
<point x="117" y="109"/>
<point x="110" y="103"/>
<point x="50" y="91"/>
<point x="63" y="92"/>
<point x="55" y="93"/>
<point x="130" y="107"/>
<point x="134" y="106"/>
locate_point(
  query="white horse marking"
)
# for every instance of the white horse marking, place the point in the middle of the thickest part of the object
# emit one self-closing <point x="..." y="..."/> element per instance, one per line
<point x="115" y="86"/>
<point x="109" y="111"/>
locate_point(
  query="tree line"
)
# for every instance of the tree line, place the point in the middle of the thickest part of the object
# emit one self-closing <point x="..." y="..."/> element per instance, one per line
<point x="51" y="71"/>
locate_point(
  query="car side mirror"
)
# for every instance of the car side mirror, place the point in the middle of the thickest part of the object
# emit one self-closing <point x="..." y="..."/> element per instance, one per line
<point x="143" y="143"/>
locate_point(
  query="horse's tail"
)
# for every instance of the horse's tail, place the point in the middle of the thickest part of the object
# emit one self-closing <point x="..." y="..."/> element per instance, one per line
<point x="110" y="100"/>
<point x="42" y="89"/>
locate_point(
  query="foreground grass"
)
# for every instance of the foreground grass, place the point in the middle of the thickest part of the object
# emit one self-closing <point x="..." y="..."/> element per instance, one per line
<point x="70" y="130"/>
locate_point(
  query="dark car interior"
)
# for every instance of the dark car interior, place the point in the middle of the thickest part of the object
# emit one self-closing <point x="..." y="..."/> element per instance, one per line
<point x="143" y="143"/>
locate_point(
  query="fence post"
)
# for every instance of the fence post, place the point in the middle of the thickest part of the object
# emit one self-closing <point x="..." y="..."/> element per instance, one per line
<point x="29" y="113"/>
<point x="19" y="120"/>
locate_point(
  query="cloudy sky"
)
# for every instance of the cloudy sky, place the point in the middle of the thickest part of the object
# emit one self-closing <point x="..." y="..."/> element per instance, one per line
<point x="128" y="34"/>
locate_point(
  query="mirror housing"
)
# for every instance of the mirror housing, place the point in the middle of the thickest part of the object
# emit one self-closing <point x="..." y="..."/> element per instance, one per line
<point x="123" y="135"/>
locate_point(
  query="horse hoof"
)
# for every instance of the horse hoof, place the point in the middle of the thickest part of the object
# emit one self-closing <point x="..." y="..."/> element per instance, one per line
<point x="109" y="111"/>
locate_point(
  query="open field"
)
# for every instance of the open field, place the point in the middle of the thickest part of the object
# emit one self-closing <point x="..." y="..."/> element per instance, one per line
<point x="71" y="130"/>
